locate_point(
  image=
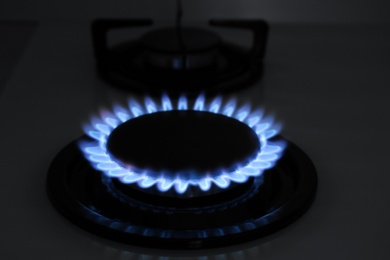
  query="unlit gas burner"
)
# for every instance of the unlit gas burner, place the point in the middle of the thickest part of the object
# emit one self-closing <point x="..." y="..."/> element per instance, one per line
<point x="184" y="176"/>
<point x="179" y="60"/>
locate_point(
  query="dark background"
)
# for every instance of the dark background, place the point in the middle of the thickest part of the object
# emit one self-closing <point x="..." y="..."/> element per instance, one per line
<point x="332" y="11"/>
<point x="326" y="79"/>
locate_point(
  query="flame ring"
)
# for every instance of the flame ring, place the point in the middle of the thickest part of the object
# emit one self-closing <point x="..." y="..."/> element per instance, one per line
<point x="100" y="128"/>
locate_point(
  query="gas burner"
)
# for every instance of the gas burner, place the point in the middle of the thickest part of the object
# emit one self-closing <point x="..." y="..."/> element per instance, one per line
<point x="182" y="143"/>
<point x="195" y="58"/>
<point x="187" y="176"/>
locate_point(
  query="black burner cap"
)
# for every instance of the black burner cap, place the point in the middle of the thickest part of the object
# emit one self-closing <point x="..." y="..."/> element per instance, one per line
<point x="193" y="143"/>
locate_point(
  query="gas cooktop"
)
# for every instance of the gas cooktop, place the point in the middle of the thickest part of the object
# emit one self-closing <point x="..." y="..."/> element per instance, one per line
<point x="332" y="100"/>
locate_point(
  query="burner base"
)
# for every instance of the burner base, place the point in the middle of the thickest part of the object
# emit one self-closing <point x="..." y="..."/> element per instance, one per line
<point x="267" y="204"/>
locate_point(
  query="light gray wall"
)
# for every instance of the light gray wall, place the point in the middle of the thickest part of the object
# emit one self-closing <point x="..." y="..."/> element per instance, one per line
<point x="272" y="10"/>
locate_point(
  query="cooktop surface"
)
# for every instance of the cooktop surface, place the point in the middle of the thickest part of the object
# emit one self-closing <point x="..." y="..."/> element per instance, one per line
<point x="328" y="85"/>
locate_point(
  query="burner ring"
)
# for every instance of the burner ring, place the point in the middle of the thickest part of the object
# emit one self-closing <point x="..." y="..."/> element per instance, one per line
<point x="100" y="156"/>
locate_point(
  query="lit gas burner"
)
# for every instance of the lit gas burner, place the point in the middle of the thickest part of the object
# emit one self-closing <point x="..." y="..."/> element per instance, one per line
<point x="183" y="175"/>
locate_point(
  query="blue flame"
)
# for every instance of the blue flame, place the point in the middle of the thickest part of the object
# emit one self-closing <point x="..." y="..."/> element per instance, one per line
<point x="101" y="127"/>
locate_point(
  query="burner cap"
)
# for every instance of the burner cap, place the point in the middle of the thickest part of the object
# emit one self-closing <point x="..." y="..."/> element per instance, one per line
<point x="190" y="142"/>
